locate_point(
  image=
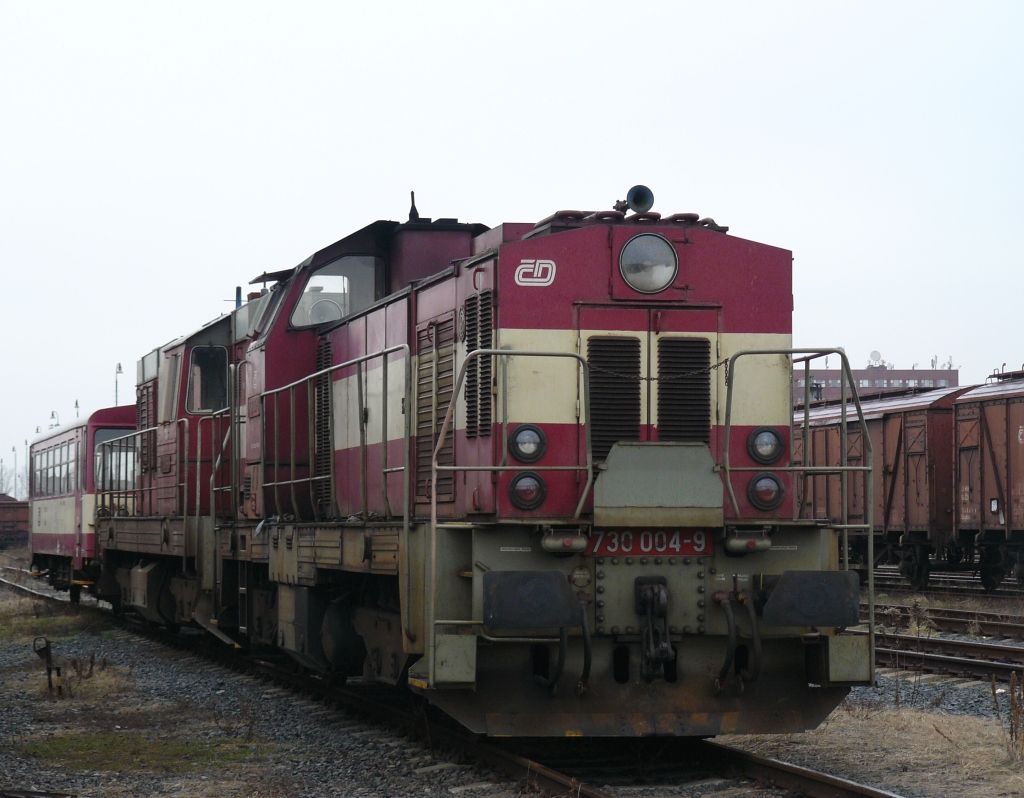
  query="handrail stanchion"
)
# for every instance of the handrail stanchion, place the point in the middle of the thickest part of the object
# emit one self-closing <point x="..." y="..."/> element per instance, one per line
<point x="292" y="456"/>
<point x="843" y="469"/>
<point x="505" y="355"/>
<point x="361" y="405"/>
<point x="844" y="476"/>
<point x="312" y="395"/>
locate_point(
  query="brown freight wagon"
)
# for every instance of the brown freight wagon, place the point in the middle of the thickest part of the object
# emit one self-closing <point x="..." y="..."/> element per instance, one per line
<point x="989" y="474"/>
<point x="911" y="438"/>
<point x="13" y="522"/>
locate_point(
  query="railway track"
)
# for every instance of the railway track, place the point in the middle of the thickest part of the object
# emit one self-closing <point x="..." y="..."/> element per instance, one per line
<point x="889" y="581"/>
<point x="983" y="623"/>
<point x="970" y="658"/>
<point x="556" y="767"/>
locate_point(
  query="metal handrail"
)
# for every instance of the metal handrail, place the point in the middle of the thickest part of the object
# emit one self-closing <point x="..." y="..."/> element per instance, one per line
<point x="143" y="496"/>
<point x="386" y="468"/>
<point x="436" y="468"/>
<point x="309" y="383"/>
<point x="805" y="356"/>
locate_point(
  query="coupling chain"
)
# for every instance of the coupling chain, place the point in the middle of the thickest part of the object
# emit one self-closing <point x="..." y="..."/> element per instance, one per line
<point x="672" y="378"/>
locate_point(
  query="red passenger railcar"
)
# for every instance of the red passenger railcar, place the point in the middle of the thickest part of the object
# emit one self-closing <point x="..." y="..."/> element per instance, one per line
<point x="65" y="467"/>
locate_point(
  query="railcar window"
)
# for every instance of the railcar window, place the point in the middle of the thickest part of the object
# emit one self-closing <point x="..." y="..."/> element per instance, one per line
<point x="114" y="464"/>
<point x="342" y="287"/>
<point x="168" y="383"/>
<point x="208" y="380"/>
<point x="71" y="476"/>
<point x="261" y="316"/>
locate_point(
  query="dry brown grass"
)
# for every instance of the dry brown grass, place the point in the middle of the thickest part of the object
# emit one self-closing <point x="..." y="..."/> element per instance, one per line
<point x="22" y="617"/>
<point x="904" y="749"/>
<point x="16" y="557"/>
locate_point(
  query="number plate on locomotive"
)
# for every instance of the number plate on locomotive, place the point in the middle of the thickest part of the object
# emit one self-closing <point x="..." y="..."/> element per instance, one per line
<point x="658" y="542"/>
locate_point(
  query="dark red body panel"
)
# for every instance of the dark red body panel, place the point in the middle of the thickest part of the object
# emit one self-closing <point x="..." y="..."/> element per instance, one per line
<point x="912" y="469"/>
<point x="989" y="459"/>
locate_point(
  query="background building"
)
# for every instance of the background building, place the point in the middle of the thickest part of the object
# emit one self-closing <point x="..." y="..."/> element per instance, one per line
<point x="874" y="380"/>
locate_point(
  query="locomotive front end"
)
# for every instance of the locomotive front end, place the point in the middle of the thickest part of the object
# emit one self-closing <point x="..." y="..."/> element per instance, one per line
<point x="620" y="554"/>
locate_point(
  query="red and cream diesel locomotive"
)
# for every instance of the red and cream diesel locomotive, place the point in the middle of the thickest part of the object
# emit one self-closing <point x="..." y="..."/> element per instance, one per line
<point x="539" y="473"/>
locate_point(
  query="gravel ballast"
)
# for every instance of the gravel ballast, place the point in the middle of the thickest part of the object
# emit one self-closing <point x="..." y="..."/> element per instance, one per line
<point x="279" y="744"/>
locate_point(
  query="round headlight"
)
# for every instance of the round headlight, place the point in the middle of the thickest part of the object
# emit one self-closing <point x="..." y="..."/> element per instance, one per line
<point x="648" y="263"/>
<point x="765" y="492"/>
<point x="527" y="491"/>
<point x="527" y="443"/>
<point x="764" y="445"/>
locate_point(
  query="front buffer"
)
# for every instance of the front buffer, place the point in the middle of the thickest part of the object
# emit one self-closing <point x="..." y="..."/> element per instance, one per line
<point x="655" y="631"/>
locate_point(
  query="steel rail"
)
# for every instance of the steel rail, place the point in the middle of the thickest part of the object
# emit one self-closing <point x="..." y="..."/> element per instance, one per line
<point x="550" y="780"/>
<point x="805" y="781"/>
<point x="908" y="659"/>
<point x="20" y="588"/>
<point x="974" y="622"/>
<point x="949" y="587"/>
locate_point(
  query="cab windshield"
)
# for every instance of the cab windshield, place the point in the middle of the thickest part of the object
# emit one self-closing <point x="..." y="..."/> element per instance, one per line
<point x="339" y="289"/>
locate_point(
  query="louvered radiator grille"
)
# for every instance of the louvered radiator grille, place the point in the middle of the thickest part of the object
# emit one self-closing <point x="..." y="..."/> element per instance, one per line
<point x="479" y="335"/>
<point x="322" y="438"/>
<point x="434" y="342"/>
<point x="614" y="392"/>
<point x="145" y="417"/>
<point x="684" y="389"/>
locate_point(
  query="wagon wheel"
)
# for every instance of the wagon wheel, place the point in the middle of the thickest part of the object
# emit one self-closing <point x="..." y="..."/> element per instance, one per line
<point x="1018" y="567"/>
<point x="919" y="575"/>
<point x="914" y="567"/>
<point x="992" y="576"/>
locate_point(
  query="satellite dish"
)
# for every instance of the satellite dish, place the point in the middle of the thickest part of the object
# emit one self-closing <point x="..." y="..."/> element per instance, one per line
<point x="875" y="356"/>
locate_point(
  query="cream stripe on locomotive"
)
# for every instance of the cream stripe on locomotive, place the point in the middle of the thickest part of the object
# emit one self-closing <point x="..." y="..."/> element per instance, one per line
<point x="545" y="390"/>
<point x="547" y="387"/>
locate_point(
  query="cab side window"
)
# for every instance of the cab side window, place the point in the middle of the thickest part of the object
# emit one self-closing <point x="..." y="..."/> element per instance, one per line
<point x="339" y="289"/>
<point x="207" y="380"/>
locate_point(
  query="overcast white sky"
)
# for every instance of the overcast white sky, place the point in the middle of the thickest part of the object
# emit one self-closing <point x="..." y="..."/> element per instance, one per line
<point x="155" y="155"/>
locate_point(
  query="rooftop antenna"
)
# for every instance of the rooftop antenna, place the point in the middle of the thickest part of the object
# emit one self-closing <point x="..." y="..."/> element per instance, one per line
<point x="414" y="215"/>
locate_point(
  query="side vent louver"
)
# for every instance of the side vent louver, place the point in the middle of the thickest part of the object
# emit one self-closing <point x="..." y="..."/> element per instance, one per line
<point x="684" y="389"/>
<point x="435" y="384"/>
<point x="614" y="392"/>
<point x="322" y="438"/>
<point x="479" y="335"/>
<point x="145" y="416"/>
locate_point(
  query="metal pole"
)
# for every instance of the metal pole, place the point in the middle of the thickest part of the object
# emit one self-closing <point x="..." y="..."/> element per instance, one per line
<point x="15" y="452"/>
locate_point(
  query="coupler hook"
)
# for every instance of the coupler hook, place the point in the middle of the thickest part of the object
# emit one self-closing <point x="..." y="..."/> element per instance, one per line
<point x="652" y="605"/>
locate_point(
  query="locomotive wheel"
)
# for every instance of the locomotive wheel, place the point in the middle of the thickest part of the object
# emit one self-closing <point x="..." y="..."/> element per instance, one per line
<point x="992" y="576"/>
<point x="75" y="594"/>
